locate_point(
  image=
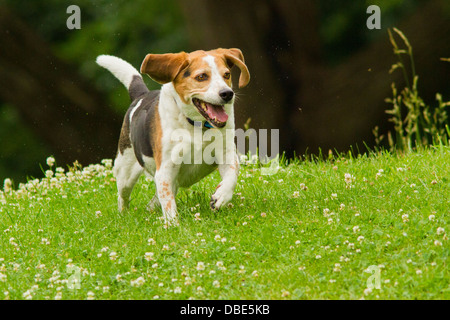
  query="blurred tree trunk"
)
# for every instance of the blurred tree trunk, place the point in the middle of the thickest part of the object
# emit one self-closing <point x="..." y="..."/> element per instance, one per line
<point x="59" y="106"/>
<point x="292" y="89"/>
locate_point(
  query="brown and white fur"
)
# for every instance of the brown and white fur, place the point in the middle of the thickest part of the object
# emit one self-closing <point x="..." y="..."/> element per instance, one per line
<point x="196" y="88"/>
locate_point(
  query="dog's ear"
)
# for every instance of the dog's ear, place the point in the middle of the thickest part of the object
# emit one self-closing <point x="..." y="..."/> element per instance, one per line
<point x="234" y="56"/>
<point x="164" y="68"/>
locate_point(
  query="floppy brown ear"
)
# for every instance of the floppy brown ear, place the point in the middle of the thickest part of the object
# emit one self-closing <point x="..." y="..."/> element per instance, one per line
<point x="234" y="56"/>
<point x="163" y="68"/>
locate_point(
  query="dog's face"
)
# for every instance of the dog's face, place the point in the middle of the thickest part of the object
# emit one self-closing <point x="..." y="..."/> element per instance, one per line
<point x="202" y="80"/>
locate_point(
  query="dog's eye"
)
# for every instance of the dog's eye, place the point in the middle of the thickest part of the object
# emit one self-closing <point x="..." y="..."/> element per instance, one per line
<point x="227" y="75"/>
<point x="201" y="77"/>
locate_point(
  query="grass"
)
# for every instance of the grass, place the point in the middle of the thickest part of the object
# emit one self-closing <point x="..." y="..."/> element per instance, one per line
<point x="314" y="230"/>
<point x="416" y="123"/>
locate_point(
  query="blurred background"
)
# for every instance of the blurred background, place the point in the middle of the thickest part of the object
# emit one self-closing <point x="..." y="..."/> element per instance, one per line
<point x="318" y="73"/>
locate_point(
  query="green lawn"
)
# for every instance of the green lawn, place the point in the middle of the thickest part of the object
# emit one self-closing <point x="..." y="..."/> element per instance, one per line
<point x="314" y="230"/>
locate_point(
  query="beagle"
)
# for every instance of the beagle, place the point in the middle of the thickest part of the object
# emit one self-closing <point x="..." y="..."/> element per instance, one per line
<point x="196" y="96"/>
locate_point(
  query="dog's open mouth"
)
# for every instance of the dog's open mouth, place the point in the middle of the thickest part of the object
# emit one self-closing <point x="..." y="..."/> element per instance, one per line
<point x="214" y="114"/>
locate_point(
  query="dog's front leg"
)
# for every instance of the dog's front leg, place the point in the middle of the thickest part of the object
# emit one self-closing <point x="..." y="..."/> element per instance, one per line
<point x="166" y="191"/>
<point x="224" y="191"/>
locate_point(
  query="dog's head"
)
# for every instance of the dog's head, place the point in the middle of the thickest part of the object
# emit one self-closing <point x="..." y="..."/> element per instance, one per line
<point x="202" y="80"/>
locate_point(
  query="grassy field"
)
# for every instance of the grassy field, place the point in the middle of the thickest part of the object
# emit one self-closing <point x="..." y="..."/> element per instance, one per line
<point x="372" y="227"/>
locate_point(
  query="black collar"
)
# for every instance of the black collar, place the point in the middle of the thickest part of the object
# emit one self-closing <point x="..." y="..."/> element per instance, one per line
<point x="205" y="124"/>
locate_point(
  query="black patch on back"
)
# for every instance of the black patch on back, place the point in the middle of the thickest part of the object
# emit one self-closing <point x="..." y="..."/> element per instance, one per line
<point x="137" y="88"/>
<point x="142" y="125"/>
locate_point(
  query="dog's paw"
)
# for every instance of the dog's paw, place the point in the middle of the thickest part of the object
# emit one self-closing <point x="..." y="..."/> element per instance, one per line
<point x="173" y="222"/>
<point x="212" y="203"/>
<point x="122" y="204"/>
<point x="170" y="218"/>
<point x="220" y="198"/>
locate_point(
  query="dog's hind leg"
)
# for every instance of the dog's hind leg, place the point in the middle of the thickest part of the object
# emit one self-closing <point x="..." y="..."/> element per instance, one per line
<point x="127" y="171"/>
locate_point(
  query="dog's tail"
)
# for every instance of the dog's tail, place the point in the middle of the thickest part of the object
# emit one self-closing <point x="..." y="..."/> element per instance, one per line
<point x="126" y="73"/>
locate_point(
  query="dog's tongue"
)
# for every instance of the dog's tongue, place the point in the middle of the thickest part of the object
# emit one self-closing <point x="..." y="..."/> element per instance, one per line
<point x="217" y="112"/>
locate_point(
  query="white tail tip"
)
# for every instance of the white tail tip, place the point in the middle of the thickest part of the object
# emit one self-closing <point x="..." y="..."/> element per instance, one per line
<point x="121" y="69"/>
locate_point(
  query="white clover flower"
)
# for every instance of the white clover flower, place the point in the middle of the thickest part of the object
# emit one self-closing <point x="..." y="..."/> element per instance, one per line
<point x="113" y="255"/>
<point x="148" y="256"/>
<point x="138" y="282"/>
<point x="49" y="173"/>
<point x="303" y="186"/>
<point x="431" y="217"/>
<point x="440" y="230"/>
<point x="151" y="241"/>
<point x="285" y="293"/>
<point x="367" y="291"/>
<point x="90" y="295"/>
<point x="437" y="243"/>
<point x="348" y="178"/>
<point x="107" y="163"/>
<point x="3" y="277"/>
<point x="296" y="194"/>
<point x="186" y="254"/>
<point x="356" y="229"/>
<point x="50" y="161"/>
<point x="27" y="295"/>
<point x="200" y="266"/>
<point x="187" y="281"/>
<point x="7" y="185"/>
<point x="177" y="290"/>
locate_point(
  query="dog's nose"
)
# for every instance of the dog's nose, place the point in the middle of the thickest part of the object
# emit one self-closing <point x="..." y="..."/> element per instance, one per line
<point x="226" y="94"/>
